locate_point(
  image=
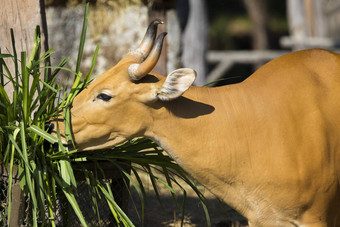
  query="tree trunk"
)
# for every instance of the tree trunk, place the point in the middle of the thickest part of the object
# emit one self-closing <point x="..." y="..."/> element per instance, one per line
<point x="257" y="11"/>
<point x="23" y="17"/>
<point x="194" y="39"/>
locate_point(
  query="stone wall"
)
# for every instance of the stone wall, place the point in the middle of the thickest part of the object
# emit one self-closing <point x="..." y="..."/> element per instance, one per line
<point x="116" y="28"/>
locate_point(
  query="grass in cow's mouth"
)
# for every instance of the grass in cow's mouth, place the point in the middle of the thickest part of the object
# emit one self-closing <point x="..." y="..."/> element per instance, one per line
<point x="23" y="115"/>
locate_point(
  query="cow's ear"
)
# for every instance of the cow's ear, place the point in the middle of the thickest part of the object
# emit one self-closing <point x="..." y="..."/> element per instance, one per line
<point x="176" y="83"/>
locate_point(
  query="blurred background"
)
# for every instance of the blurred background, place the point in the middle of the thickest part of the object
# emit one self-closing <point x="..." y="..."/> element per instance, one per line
<point x="224" y="41"/>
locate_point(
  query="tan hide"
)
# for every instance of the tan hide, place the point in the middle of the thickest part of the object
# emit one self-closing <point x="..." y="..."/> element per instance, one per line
<point x="268" y="147"/>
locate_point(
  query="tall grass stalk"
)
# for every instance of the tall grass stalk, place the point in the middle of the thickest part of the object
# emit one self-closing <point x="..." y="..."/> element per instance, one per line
<point x="36" y="99"/>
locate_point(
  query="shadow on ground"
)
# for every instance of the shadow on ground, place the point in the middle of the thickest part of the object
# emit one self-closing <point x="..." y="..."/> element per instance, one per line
<point x="155" y="215"/>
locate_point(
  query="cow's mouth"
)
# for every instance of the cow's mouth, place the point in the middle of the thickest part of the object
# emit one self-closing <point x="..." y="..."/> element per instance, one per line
<point x="49" y="126"/>
<point x="51" y="129"/>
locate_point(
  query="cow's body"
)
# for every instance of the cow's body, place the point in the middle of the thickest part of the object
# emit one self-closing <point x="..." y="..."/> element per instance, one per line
<point x="268" y="146"/>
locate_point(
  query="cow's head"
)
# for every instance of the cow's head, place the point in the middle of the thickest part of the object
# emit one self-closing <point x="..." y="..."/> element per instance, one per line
<point x="117" y="105"/>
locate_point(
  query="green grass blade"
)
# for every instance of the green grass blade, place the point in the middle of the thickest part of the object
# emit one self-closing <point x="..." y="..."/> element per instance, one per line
<point x="38" y="174"/>
<point x="47" y="72"/>
<point x="184" y="206"/>
<point x="72" y="200"/>
<point x="50" y="138"/>
<point x="42" y="110"/>
<point x="69" y="195"/>
<point x="5" y="55"/>
<point x="139" y="188"/>
<point x="88" y="76"/>
<point x="2" y="62"/>
<point x="29" y="179"/>
<point x="90" y="179"/>
<point x="2" y="81"/>
<point x="155" y="188"/>
<point x="35" y="53"/>
<point x="15" y="59"/>
<point x="49" y="86"/>
<point x="109" y="198"/>
<point x="66" y="173"/>
<point x="75" y="89"/>
<point x="169" y="182"/>
<point x="70" y="172"/>
<point x="3" y="96"/>
<point x="50" y="199"/>
<point x="25" y="87"/>
<point x="14" y="143"/>
<point x="59" y="67"/>
<point x="34" y="89"/>
<point x="82" y="38"/>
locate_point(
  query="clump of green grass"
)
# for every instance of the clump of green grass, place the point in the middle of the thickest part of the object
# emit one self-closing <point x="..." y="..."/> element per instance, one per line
<point x="36" y="99"/>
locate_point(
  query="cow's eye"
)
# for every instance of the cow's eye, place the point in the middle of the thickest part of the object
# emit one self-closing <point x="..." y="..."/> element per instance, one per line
<point x="104" y="97"/>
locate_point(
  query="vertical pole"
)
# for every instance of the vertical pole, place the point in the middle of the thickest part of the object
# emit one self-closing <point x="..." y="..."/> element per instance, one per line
<point x="18" y="201"/>
<point x="195" y="40"/>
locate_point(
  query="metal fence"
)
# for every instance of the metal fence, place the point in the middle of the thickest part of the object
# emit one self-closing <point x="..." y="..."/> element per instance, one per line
<point x="64" y="214"/>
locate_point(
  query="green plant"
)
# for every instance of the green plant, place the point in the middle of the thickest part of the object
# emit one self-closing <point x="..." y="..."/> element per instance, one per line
<point x="36" y="99"/>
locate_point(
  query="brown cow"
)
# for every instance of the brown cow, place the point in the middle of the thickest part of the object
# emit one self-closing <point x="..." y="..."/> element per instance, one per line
<point x="268" y="147"/>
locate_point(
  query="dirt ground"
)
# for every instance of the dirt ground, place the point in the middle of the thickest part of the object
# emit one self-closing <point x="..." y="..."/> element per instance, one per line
<point x="220" y="214"/>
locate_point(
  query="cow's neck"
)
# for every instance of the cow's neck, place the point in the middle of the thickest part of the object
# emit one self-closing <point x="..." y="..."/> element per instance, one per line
<point x="190" y="130"/>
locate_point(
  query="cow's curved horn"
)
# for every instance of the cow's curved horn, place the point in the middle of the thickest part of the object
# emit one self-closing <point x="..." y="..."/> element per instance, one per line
<point x="149" y="38"/>
<point x="138" y="71"/>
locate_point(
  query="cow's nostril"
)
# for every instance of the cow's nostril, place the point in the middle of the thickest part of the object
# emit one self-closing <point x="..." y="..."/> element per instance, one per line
<point x="49" y="126"/>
